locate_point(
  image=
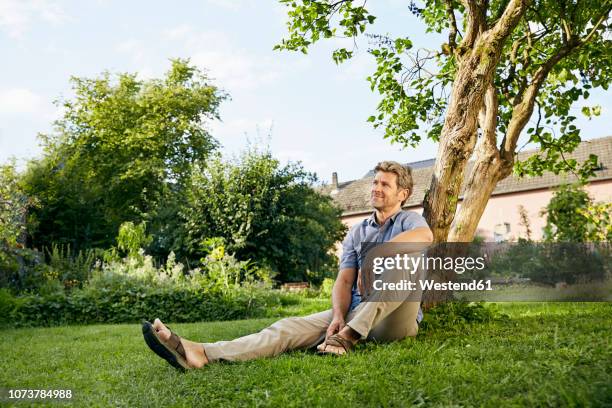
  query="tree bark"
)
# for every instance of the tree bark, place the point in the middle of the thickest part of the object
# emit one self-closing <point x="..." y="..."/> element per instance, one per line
<point x="489" y="168"/>
<point x="456" y="142"/>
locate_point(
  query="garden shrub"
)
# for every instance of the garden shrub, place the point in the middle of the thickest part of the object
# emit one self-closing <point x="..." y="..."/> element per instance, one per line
<point x="550" y="263"/>
<point x="131" y="301"/>
<point x="264" y="211"/>
<point x="132" y="289"/>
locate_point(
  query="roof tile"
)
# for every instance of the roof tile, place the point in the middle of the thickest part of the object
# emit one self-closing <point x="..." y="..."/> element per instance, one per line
<point x="354" y="196"/>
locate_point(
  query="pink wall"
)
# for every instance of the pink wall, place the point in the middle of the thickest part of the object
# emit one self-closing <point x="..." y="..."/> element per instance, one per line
<point x="504" y="209"/>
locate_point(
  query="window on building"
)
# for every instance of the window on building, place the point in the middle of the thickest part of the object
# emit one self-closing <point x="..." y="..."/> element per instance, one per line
<point x="501" y="232"/>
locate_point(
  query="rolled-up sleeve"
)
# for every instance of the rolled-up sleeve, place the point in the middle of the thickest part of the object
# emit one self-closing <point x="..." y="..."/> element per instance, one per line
<point x="349" y="253"/>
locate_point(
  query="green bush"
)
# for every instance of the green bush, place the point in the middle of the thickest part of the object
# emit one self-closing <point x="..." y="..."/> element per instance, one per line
<point x="132" y="289"/>
<point x="265" y="212"/>
<point x="130" y="301"/>
<point x="8" y="304"/>
<point x="70" y="268"/>
<point x="26" y="270"/>
<point x="550" y="263"/>
<point x="133" y="237"/>
<point x="22" y="269"/>
<point x="572" y="216"/>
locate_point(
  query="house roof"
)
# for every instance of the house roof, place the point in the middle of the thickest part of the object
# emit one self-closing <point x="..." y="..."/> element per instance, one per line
<point x="353" y="197"/>
<point x="421" y="164"/>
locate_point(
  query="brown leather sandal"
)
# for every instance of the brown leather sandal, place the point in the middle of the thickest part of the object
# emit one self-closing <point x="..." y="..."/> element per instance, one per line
<point x="172" y="351"/>
<point x="336" y="341"/>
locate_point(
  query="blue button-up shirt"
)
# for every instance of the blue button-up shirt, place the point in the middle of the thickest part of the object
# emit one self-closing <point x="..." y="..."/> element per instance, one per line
<point x="369" y="231"/>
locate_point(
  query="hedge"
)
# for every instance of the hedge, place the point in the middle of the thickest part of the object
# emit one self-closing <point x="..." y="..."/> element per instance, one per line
<point x="101" y="305"/>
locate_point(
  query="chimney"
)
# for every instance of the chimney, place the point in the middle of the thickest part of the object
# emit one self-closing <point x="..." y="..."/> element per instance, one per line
<point x="334" y="183"/>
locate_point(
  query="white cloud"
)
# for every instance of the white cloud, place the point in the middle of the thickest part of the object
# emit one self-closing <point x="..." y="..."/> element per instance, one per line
<point x="20" y="101"/>
<point x="192" y="39"/>
<point x="177" y="33"/>
<point x="237" y="70"/>
<point x="128" y="46"/>
<point x="233" y="68"/>
<point x="16" y="16"/>
<point x="310" y="160"/>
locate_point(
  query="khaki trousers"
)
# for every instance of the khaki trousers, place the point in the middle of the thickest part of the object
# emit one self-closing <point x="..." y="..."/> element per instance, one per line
<point x="380" y="321"/>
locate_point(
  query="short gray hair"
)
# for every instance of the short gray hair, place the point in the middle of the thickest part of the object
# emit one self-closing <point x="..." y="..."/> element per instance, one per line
<point x="403" y="173"/>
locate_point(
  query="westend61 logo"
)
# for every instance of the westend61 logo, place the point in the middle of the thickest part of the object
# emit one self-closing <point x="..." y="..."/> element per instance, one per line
<point x="523" y="271"/>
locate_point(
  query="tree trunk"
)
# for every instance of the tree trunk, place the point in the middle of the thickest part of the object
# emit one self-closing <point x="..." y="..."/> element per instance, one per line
<point x="487" y="171"/>
<point x="489" y="168"/>
<point x="456" y="145"/>
<point x="478" y="56"/>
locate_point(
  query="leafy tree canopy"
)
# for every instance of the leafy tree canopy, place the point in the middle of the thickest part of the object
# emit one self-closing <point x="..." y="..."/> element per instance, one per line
<point x="121" y="144"/>
<point x="554" y="54"/>
<point x="476" y="92"/>
<point x="265" y="212"/>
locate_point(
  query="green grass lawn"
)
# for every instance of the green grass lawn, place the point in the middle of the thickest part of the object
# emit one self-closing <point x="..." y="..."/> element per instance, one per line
<point x="544" y="355"/>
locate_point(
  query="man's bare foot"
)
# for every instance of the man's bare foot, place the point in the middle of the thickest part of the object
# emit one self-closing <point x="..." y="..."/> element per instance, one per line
<point x="196" y="357"/>
<point x="346" y="333"/>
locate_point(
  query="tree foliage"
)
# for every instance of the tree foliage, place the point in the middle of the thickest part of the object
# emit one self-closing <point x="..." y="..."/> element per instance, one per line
<point x="572" y="216"/>
<point x="599" y="222"/>
<point x="265" y="212"/>
<point x="14" y="205"/>
<point x="122" y="145"/>
<point x="560" y="43"/>
<point x="132" y="238"/>
<point x="503" y="61"/>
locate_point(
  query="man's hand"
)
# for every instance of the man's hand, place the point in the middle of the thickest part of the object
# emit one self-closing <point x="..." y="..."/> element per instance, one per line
<point x="335" y="326"/>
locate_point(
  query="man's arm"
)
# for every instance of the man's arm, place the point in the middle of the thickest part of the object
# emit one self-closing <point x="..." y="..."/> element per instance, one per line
<point x="421" y="237"/>
<point x="420" y="234"/>
<point x="341" y="299"/>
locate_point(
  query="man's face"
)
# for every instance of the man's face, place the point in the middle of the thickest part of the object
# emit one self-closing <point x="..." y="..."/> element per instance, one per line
<point x="385" y="194"/>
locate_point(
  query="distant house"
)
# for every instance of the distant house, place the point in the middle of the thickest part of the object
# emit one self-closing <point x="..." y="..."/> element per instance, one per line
<point x="500" y="220"/>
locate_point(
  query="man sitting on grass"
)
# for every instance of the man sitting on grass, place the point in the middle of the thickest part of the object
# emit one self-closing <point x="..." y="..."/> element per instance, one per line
<point x="333" y="331"/>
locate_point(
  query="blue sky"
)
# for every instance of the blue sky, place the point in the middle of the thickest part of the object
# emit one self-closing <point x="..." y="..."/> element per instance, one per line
<point x="314" y="110"/>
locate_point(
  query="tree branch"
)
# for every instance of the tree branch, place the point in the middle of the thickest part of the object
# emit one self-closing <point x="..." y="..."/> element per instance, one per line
<point x="566" y="32"/>
<point x="476" y="22"/>
<point x="487" y="118"/>
<point x="601" y="18"/>
<point x="452" y="35"/>
<point x="524" y="108"/>
<point x="509" y="19"/>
